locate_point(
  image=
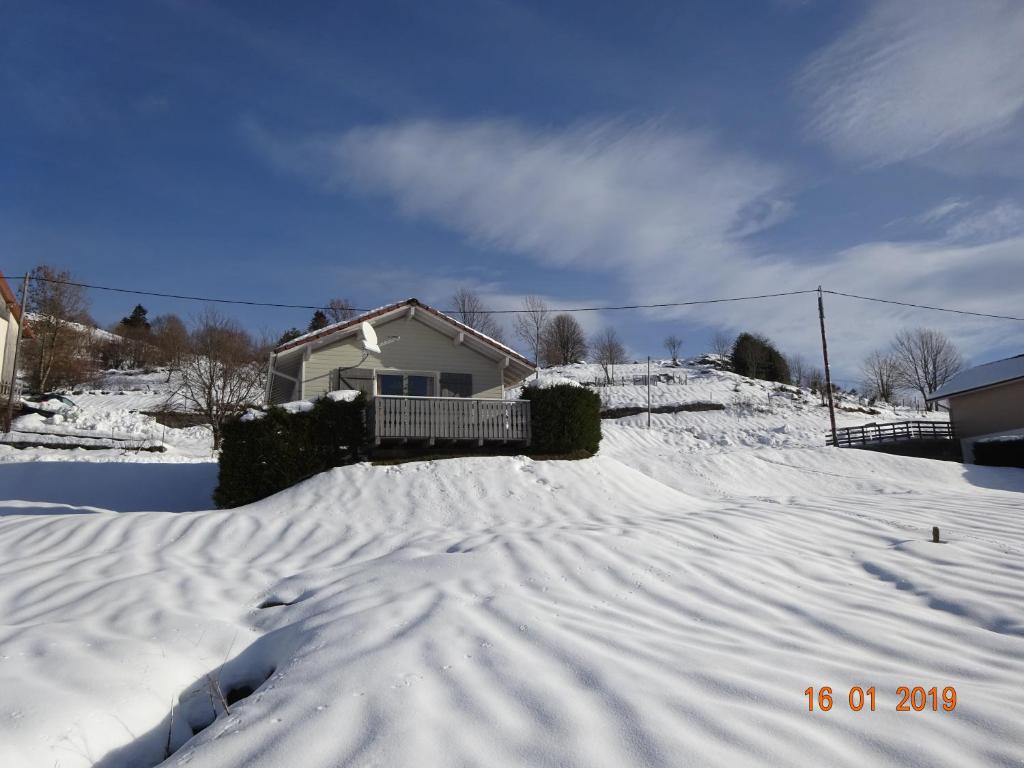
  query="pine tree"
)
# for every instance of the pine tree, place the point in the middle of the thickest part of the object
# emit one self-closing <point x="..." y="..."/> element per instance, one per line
<point x="289" y="335"/>
<point x="319" y="321"/>
<point x="136" y="320"/>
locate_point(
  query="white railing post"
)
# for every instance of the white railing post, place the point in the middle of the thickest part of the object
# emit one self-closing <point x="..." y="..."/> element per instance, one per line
<point x="479" y="429"/>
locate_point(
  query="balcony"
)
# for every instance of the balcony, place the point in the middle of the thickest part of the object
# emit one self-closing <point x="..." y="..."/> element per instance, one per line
<point x="453" y="419"/>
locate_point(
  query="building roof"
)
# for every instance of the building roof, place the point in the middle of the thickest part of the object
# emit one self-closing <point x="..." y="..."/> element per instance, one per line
<point x="351" y="323"/>
<point x="980" y="377"/>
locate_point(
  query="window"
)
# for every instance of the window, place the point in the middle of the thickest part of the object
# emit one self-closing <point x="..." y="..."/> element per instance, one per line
<point x="391" y="384"/>
<point x="405" y="384"/>
<point x="352" y="378"/>
<point x="456" y="385"/>
<point x="419" y="386"/>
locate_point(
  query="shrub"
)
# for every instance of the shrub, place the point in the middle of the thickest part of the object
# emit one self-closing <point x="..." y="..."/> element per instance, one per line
<point x="264" y="455"/>
<point x="1000" y="453"/>
<point x="564" y="419"/>
<point x="756" y="356"/>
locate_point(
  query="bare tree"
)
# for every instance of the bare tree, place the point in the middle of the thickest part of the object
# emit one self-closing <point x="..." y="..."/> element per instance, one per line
<point x="816" y="382"/>
<point x="798" y="369"/>
<point x="608" y="351"/>
<point x="880" y="375"/>
<point x="531" y="323"/>
<point x="563" y="342"/>
<point x="340" y="309"/>
<point x="470" y="309"/>
<point x="721" y="344"/>
<point x="672" y="345"/>
<point x="170" y="337"/>
<point x="221" y="375"/>
<point x="927" y="359"/>
<point x="57" y="354"/>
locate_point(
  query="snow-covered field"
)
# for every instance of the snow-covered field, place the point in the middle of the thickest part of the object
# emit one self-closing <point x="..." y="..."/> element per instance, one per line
<point x="663" y="604"/>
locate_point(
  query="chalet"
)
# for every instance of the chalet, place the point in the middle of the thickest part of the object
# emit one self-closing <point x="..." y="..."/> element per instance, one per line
<point x="429" y="376"/>
<point x="985" y="401"/>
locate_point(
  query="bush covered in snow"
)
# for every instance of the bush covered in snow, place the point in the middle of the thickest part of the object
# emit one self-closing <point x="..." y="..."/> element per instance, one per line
<point x="261" y="456"/>
<point x="564" y="418"/>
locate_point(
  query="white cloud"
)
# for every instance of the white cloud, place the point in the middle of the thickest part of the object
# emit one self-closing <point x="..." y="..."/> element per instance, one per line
<point x="942" y="211"/>
<point x="1005" y="219"/>
<point x="590" y="196"/>
<point x="667" y="216"/>
<point x="915" y="76"/>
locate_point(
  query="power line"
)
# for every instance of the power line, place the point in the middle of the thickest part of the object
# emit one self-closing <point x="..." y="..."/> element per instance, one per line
<point x="925" y="306"/>
<point x="250" y="303"/>
<point x="663" y="305"/>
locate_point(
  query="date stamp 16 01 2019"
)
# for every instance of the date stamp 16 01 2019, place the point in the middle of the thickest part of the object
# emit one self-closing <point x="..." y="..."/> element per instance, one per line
<point x="909" y="698"/>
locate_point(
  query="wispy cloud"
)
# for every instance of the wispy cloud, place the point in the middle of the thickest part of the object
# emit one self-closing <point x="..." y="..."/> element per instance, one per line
<point x="915" y="76"/>
<point x="1005" y="219"/>
<point x="975" y="221"/>
<point x="665" y="216"/>
<point x="942" y="211"/>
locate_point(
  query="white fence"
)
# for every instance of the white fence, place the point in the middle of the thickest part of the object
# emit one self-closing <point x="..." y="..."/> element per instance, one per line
<point x="450" y="418"/>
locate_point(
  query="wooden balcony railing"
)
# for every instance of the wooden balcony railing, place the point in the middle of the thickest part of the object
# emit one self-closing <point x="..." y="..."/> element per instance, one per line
<point x="450" y="418"/>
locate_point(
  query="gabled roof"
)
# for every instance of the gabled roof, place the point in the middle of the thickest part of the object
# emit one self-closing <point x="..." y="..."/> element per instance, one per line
<point x="396" y="308"/>
<point x="980" y="377"/>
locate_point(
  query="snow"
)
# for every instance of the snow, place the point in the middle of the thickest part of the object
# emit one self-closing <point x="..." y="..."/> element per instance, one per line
<point x="547" y="382"/>
<point x="343" y="395"/>
<point x="665" y="603"/>
<point x="298" y="406"/>
<point x="982" y="376"/>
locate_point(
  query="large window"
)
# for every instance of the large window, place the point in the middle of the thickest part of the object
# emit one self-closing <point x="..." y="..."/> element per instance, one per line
<point x="407" y="384"/>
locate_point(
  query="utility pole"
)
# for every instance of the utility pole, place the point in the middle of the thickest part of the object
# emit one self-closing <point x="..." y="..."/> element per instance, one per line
<point x="648" y="391"/>
<point x="17" y="348"/>
<point x="828" y="375"/>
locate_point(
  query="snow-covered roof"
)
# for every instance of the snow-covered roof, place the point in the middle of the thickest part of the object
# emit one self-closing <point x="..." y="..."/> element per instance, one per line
<point x="388" y="308"/>
<point x="981" y="376"/>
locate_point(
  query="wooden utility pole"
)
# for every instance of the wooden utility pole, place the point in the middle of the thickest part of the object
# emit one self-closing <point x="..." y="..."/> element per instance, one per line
<point x="648" y="391"/>
<point x="17" y="348"/>
<point x="828" y="375"/>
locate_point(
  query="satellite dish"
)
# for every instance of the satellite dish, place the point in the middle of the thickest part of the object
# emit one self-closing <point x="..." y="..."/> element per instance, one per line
<point x="369" y="337"/>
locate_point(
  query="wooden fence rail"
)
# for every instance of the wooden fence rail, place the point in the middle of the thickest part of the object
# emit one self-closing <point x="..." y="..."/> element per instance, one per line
<point x="896" y="431"/>
<point x="450" y="418"/>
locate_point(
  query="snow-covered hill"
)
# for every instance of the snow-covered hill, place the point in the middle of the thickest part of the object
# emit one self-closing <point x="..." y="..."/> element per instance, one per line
<point x="665" y="603"/>
<point x="755" y="413"/>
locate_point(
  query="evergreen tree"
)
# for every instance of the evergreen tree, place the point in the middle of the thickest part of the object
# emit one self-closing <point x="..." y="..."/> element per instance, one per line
<point x="756" y="356"/>
<point x="289" y="335"/>
<point x="137" y="320"/>
<point x="319" y="321"/>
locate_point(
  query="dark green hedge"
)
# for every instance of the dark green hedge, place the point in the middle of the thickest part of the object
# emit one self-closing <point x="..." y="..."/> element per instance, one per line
<point x="1000" y="453"/>
<point x="266" y="455"/>
<point x="564" y="419"/>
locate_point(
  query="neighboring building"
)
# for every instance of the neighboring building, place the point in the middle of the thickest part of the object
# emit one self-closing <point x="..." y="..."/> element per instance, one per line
<point x="10" y="319"/>
<point x="425" y="356"/>
<point x="985" y="401"/>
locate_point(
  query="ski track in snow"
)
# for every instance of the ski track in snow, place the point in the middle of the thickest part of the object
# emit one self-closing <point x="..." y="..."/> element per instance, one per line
<point x="658" y="605"/>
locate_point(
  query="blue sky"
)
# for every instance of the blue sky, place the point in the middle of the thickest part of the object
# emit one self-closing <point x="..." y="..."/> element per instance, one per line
<point x="593" y="153"/>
